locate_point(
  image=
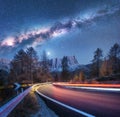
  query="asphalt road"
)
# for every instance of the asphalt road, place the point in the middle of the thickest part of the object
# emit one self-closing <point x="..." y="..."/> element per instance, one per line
<point x="97" y="103"/>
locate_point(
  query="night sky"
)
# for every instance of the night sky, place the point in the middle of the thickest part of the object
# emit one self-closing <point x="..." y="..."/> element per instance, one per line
<point x="60" y="27"/>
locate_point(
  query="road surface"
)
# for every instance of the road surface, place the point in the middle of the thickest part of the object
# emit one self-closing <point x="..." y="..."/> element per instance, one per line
<point x="97" y="103"/>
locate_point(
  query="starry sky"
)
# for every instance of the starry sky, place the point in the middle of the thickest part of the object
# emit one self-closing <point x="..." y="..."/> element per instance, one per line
<point x="60" y="27"/>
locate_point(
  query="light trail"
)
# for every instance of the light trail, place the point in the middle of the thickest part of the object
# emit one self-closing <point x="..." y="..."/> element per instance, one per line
<point x="90" y="85"/>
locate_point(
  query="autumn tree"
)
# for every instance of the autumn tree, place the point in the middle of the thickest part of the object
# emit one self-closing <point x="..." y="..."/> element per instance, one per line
<point x="81" y="77"/>
<point x="76" y="78"/>
<point x="105" y="68"/>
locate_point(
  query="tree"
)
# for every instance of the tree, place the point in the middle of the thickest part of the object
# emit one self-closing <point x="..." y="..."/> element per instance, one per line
<point x="96" y="63"/>
<point x="45" y="74"/>
<point x="32" y="62"/>
<point x="105" y="69"/>
<point x="76" y="78"/>
<point x="18" y="65"/>
<point x="45" y="63"/>
<point x="3" y="77"/>
<point x="65" y="69"/>
<point x="114" y="57"/>
<point x="81" y="77"/>
<point x="24" y="65"/>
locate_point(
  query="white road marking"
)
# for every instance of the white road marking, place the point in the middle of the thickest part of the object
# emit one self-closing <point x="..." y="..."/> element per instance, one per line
<point x="66" y="106"/>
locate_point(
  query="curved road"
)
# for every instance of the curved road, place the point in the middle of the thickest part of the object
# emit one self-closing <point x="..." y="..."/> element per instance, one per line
<point x="97" y="103"/>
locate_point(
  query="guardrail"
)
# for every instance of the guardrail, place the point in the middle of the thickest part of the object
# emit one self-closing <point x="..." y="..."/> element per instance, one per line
<point x="8" y="107"/>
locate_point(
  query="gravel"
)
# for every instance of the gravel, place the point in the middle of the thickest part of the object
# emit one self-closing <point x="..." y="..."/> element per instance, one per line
<point x="44" y="111"/>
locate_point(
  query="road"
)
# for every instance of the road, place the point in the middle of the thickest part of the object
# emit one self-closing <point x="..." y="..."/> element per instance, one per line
<point x="97" y="103"/>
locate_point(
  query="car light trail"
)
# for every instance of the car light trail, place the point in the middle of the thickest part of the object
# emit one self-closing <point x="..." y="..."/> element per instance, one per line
<point x="95" y="88"/>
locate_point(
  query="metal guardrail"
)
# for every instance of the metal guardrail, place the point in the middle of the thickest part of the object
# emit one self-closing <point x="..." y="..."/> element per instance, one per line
<point x="8" y="107"/>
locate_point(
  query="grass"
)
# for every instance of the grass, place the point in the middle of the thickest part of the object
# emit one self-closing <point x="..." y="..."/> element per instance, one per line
<point x="27" y="107"/>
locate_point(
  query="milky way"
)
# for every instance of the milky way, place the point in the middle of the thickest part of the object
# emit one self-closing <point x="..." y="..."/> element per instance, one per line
<point x="39" y="35"/>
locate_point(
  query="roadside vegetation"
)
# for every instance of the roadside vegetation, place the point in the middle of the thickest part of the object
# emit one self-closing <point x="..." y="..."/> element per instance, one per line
<point x="29" y="106"/>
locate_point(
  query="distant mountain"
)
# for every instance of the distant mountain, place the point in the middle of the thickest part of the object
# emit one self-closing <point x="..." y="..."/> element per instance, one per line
<point x="56" y="64"/>
<point x="4" y="64"/>
<point x="74" y="66"/>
